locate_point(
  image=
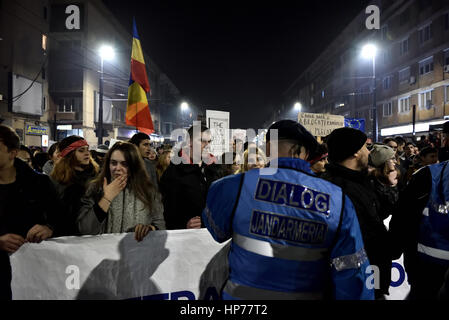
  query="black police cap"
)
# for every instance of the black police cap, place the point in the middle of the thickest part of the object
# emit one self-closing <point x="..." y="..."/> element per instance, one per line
<point x="292" y="130"/>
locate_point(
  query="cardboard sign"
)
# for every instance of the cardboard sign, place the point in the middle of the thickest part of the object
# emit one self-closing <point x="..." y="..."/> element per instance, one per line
<point x="320" y="124"/>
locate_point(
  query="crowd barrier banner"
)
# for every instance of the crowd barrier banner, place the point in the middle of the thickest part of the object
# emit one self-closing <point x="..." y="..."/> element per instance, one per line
<point x="166" y="265"/>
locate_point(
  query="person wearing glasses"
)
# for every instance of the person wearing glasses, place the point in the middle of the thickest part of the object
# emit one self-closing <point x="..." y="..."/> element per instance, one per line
<point x="185" y="182"/>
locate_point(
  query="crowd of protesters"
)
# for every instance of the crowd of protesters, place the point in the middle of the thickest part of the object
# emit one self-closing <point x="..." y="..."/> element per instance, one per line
<point x="73" y="190"/>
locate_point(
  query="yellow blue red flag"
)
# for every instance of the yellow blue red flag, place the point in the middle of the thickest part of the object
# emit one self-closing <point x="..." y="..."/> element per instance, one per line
<point x="138" y="111"/>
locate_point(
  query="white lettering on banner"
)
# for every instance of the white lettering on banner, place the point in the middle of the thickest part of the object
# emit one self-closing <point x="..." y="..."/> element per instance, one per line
<point x="73" y="280"/>
<point x="73" y="20"/>
<point x="373" y="20"/>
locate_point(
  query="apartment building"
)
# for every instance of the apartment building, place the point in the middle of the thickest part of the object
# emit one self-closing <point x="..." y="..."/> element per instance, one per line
<point x="411" y="69"/>
<point x="59" y="41"/>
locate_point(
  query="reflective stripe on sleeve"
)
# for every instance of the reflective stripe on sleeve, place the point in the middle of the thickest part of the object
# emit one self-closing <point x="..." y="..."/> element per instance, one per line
<point x="250" y="293"/>
<point x="351" y="261"/>
<point x="433" y="252"/>
<point x="275" y="250"/>
<point x="218" y="232"/>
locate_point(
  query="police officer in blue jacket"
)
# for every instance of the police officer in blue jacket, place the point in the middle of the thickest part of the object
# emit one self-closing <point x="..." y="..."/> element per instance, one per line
<point x="420" y="230"/>
<point x="294" y="235"/>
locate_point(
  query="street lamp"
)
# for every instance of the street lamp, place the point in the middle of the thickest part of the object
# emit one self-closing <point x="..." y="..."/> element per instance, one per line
<point x="184" y="108"/>
<point x="106" y="53"/>
<point x="369" y="52"/>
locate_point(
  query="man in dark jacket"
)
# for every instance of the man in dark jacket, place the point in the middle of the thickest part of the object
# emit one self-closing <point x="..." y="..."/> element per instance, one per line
<point x="184" y="185"/>
<point x="27" y="205"/>
<point x="348" y="168"/>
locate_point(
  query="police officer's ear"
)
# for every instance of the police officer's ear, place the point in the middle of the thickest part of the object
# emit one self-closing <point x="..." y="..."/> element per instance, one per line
<point x="303" y="154"/>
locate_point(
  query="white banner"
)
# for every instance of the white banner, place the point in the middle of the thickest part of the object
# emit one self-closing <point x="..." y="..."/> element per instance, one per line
<point x="166" y="265"/>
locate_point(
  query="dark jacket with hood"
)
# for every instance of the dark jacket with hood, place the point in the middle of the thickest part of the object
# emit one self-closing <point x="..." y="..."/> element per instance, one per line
<point x="376" y="238"/>
<point x="30" y="200"/>
<point x="70" y="195"/>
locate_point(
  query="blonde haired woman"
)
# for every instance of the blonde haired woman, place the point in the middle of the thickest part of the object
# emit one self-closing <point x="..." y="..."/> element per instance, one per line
<point x="253" y="157"/>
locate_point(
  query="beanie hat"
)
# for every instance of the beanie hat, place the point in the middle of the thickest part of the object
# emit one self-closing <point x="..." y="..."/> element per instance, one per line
<point x="342" y="143"/>
<point x="292" y="130"/>
<point x="380" y="154"/>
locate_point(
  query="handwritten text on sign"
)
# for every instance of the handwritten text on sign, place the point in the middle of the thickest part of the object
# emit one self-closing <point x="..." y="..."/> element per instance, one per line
<point x="319" y="124"/>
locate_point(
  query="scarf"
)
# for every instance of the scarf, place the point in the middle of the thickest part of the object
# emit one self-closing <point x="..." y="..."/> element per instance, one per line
<point x="125" y="212"/>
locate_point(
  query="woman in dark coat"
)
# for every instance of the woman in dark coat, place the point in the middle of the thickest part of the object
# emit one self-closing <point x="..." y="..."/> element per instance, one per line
<point x="70" y="176"/>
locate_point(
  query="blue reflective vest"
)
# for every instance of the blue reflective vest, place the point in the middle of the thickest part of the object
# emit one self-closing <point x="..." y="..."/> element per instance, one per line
<point x="294" y="235"/>
<point x="433" y="241"/>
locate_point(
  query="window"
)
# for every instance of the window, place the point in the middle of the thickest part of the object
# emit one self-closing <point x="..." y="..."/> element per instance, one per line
<point x="446" y="93"/>
<point x="388" y="109"/>
<point x="425" y="34"/>
<point x="446" y="57"/>
<point x="425" y="99"/>
<point x="446" y="21"/>
<point x="322" y="94"/>
<point x="311" y="101"/>
<point x="426" y="66"/>
<point x="387" y="82"/>
<point x="69" y="104"/>
<point x="403" y="47"/>
<point x="404" y="75"/>
<point x="404" y="105"/>
<point x="44" y="42"/>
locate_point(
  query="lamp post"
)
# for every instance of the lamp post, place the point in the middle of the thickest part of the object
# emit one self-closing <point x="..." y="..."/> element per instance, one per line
<point x="297" y="107"/>
<point x="184" y="108"/>
<point x="106" y="53"/>
<point x="369" y="51"/>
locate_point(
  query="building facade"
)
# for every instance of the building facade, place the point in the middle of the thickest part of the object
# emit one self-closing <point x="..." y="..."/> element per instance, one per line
<point x="411" y="69"/>
<point x="60" y="40"/>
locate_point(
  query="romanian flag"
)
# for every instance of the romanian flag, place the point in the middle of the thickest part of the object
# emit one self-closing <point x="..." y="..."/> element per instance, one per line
<point x="138" y="111"/>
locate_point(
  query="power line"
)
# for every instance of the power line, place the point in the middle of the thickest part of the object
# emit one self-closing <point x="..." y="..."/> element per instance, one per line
<point x="16" y="98"/>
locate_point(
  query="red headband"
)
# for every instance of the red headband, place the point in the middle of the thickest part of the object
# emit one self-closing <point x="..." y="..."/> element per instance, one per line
<point x="73" y="146"/>
<point x="313" y="161"/>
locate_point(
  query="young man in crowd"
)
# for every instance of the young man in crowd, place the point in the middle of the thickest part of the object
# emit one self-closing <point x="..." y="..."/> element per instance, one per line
<point x="184" y="186"/>
<point x="143" y="143"/>
<point x="28" y="205"/>
<point x="348" y="168"/>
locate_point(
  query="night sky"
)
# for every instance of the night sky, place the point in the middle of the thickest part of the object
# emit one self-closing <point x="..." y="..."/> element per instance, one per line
<point x="236" y="56"/>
